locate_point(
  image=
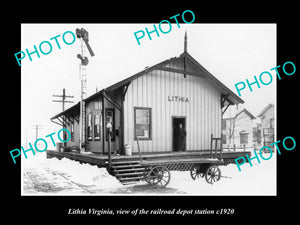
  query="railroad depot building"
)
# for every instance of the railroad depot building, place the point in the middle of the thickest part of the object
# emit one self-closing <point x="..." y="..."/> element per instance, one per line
<point x="150" y="105"/>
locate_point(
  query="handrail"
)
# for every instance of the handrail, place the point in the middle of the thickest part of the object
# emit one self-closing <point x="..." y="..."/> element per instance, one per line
<point x="216" y="146"/>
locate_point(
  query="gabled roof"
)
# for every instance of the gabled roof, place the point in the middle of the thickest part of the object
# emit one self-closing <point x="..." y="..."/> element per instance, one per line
<point x="192" y="68"/>
<point x="246" y="112"/>
<point x="184" y="64"/>
<point x="265" y="109"/>
<point x="239" y="113"/>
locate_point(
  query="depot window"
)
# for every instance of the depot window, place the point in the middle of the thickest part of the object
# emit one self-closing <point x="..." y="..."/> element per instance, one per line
<point x="142" y="123"/>
<point x="97" y="125"/>
<point x="72" y="132"/>
<point x="89" y="127"/>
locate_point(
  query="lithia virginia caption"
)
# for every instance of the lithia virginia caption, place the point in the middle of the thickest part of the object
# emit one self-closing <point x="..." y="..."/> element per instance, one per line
<point x="134" y="212"/>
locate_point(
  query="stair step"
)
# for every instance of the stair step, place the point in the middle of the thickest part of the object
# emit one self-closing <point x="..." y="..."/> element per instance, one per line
<point x="128" y="170"/>
<point x="129" y="174"/>
<point x="128" y="166"/>
<point x="130" y="178"/>
<point x="130" y="182"/>
<point x="124" y="162"/>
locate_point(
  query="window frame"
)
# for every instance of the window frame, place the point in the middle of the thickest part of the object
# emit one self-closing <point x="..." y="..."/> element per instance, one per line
<point x="72" y="132"/>
<point x="150" y="122"/>
<point x="89" y="138"/>
<point x="244" y="138"/>
<point x="95" y="124"/>
<point x="96" y="105"/>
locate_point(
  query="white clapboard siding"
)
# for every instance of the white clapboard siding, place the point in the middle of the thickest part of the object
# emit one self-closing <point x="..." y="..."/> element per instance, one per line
<point x="202" y="112"/>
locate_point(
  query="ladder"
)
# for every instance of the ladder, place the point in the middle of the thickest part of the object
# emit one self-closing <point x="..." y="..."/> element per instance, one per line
<point x="83" y="35"/>
<point x="83" y="80"/>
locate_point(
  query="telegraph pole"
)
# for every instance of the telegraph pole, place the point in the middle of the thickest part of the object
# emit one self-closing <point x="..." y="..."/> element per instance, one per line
<point x="63" y="96"/>
<point x="37" y="127"/>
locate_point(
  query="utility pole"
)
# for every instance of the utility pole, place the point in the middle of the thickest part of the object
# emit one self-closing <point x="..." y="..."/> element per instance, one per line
<point x="26" y="142"/>
<point x="63" y="96"/>
<point x="37" y="127"/>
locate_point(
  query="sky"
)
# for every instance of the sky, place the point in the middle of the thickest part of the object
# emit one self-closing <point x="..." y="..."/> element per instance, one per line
<point x="231" y="52"/>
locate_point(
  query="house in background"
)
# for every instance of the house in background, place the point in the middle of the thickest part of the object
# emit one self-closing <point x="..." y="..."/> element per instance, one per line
<point x="267" y="116"/>
<point x="241" y="129"/>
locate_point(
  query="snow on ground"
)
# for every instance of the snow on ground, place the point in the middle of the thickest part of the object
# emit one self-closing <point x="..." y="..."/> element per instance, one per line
<point x="257" y="180"/>
<point x="67" y="177"/>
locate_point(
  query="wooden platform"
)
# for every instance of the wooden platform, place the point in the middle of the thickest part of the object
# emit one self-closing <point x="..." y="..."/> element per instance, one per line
<point x="130" y="169"/>
<point x="100" y="160"/>
<point x="93" y="159"/>
<point x="174" y="161"/>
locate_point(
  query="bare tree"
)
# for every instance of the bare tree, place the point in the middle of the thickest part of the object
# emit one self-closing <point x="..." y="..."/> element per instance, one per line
<point x="232" y="122"/>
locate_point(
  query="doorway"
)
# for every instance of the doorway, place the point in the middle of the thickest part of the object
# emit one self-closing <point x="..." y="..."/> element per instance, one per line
<point x="178" y="135"/>
<point x="110" y="116"/>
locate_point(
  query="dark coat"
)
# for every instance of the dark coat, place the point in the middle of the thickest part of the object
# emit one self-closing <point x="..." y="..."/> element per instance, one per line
<point x="182" y="138"/>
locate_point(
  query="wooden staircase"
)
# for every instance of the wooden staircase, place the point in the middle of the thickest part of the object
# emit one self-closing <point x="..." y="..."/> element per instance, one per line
<point x="127" y="172"/>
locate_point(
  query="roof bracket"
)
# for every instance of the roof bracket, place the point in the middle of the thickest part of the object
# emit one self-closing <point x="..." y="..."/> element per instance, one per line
<point x="225" y="109"/>
<point x="111" y="101"/>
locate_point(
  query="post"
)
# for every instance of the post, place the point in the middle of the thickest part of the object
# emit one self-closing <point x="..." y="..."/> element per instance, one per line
<point x="81" y="128"/>
<point x="221" y="146"/>
<point x="244" y="147"/>
<point x="109" y="129"/>
<point x="103" y="127"/>
<point x="36" y="132"/>
<point x="138" y="144"/>
<point x="211" y="144"/>
<point x="216" y="146"/>
<point x="233" y="147"/>
<point x="63" y="101"/>
<point x="82" y="124"/>
<point x="37" y="127"/>
<point x="109" y="150"/>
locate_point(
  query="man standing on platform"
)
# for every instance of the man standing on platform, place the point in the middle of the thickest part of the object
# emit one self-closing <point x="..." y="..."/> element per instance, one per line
<point x="182" y="137"/>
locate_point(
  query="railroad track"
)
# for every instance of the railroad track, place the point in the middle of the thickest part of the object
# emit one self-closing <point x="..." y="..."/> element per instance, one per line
<point x="82" y="187"/>
<point x="43" y="184"/>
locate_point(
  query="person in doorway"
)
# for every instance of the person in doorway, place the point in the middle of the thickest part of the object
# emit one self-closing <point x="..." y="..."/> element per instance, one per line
<point x="182" y="138"/>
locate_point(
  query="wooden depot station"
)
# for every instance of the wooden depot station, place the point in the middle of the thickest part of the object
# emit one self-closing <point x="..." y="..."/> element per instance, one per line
<point x="144" y="112"/>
